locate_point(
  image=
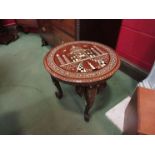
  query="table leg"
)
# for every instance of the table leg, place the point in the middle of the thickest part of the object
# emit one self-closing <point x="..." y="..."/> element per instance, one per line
<point x="59" y="93"/>
<point x="44" y="42"/>
<point x="90" y="93"/>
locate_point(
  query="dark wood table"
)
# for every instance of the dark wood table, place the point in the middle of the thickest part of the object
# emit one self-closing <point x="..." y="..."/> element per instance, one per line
<point x="84" y="64"/>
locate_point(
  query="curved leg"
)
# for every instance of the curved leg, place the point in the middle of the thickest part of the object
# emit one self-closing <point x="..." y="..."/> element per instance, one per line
<point x="59" y="93"/>
<point x="90" y="93"/>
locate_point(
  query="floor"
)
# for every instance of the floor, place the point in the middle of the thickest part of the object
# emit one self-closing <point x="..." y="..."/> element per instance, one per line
<point x="28" y="104"/>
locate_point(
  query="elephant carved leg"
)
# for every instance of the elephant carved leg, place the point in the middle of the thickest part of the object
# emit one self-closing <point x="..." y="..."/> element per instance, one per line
<point x="90" y="93"/>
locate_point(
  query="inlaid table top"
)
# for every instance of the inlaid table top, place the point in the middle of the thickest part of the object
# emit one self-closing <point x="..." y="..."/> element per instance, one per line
<point x="82" y="62"/>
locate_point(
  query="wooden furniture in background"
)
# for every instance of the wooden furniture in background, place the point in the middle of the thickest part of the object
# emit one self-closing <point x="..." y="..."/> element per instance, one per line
<point x="7" y="35"/>
<point x="140" y="113"/>
<point x="84" y="64"/>
<point x="26" y="24"/>
<point x="146" y="111"/>
<point x="55" y="32"/>
<point x="58" y="31"/>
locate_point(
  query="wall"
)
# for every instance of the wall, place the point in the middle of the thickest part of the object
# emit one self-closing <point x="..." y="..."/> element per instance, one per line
<point x="136" y="42"/>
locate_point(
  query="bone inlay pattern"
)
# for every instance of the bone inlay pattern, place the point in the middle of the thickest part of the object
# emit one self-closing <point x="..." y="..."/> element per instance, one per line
<point x="82" y="61"/>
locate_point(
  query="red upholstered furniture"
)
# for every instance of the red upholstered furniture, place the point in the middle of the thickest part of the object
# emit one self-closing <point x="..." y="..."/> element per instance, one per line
<point x="136" y="42"/>
<point x="9" y="22"/>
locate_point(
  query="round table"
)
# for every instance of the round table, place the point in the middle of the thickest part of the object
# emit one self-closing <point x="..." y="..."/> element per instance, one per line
<point x="85" y="64"/>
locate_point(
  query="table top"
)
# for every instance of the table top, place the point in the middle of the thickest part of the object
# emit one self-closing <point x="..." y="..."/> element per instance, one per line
<point x="82" y="62"/>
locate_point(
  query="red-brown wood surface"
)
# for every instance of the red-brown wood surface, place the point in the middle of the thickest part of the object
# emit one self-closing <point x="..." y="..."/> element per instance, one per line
<point x="82" y="62"/>
<point x="67" y="25"/>
<point x="146" y="111"/>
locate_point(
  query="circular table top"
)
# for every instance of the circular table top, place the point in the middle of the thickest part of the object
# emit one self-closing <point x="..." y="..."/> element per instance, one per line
<point x="82" y="62"/>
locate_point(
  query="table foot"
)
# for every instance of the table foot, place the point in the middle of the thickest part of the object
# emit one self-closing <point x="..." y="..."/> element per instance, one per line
<point x="90" y="93"/>
<point x="44" y="42"/>
<point x="59" y="93"/>
<point x="86" y="117"/>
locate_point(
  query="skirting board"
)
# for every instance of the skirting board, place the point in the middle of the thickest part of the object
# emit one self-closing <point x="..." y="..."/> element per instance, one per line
<point x="132" y="70"/>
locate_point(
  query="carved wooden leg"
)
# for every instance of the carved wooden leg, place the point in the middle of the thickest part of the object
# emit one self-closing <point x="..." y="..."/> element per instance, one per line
<point x="44" y="42"/>
<point x="90" y="93"/>
<point x="59" y="93"/>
